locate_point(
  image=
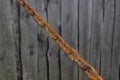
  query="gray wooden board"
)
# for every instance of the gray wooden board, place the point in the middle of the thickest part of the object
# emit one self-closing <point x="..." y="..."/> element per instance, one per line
<point x="115" y="64"/>
<point x="7" y="46"/>
<point x="106" y="38"/>
<point x="16" y="31"/>
<point x="54" y="51"/>
<point x="42" y="43"/>
<point x="69" y="31"/>
<point x="29" y="45"/>
<point x="97" y="19"/>
<point x="85" y="15"/>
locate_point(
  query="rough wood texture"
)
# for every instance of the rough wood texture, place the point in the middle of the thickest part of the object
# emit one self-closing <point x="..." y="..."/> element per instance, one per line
<point x="115" y="62"/>
<point x="85" y="15"/>
<point x="106" y="38"/>
<point x="69" y="31"/>
<point x="54" y="51"/>
<point x="43" y="65"/>
<point x="29" y="45"/>
<point x="17" y="37"/>
<point x="90" y="26"/>
<point x="7" y="47"/>
<point x="97" y="19"/>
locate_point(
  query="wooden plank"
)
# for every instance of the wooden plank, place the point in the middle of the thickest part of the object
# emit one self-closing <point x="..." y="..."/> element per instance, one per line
<point x="69" y="31"/>
<point x="54" y="51"/>
<point x="7" y="47"/>
<point x="85" y="15"/>
<point x="42" y="43"/>
<point x="106" y="38"/>
<point x="97" y="20"/>
<point x="115" y="64"/>
<point x="16" y="31"/>
<point x="29" y="45"/>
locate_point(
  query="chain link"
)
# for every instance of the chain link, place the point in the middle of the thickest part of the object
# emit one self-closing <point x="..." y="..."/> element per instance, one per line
<point x="89" y="71"/>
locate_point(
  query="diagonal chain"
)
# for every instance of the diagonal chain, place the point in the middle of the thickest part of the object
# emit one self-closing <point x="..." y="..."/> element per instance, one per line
<point x="89" y="71"/>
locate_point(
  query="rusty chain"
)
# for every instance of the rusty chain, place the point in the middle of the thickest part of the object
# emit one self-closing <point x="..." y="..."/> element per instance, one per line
<point x="89" y="71"/>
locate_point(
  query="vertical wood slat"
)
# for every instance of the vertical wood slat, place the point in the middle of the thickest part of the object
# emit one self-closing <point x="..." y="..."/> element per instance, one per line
<point x="54" y="51"/>
<point x="7" y="46"/>
<point x="29" y="44"/>
<point x="42" y="43"/>
<point x="85" y="15"/>
<point x="106" y="38"/>
<point x="97" y="20"/>
<point x="115" y="62"/>
<point x="69" y="31"/>
<point x="16" y="31"/>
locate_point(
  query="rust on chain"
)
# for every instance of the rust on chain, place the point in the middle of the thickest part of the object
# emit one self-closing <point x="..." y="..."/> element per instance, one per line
<point x="89" y="71"/>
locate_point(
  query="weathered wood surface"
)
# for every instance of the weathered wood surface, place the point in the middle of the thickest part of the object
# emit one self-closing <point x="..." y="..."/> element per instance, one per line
<point x="115" y="61"/>
<point x="97" y="20"/>
<point x="54" y="51"/>
<point x="107" y="38"/>
<point x="29" y="45"/>
<point x="42" y="43"/>
<point x="7" y="45"/>
<point x="85" y="16"/>
<point x="92" y="27"/>
<point x="69" y="31"/>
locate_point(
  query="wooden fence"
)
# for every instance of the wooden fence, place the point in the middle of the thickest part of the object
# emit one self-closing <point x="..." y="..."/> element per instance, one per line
<point x="92" y="27"/>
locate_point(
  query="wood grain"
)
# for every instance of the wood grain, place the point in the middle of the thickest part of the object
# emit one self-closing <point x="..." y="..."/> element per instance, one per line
<point x="85" y="17"/>
<point x="54" y="50"/>
<point x="106" y="38"/>
<point x="97" y="19"/>
<point x="43" y="66"/>
<point x="69" y="31"/>
<point x="29" y="45"/>
<point x="115" y="62"/>
<point x="7" y="46"/>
